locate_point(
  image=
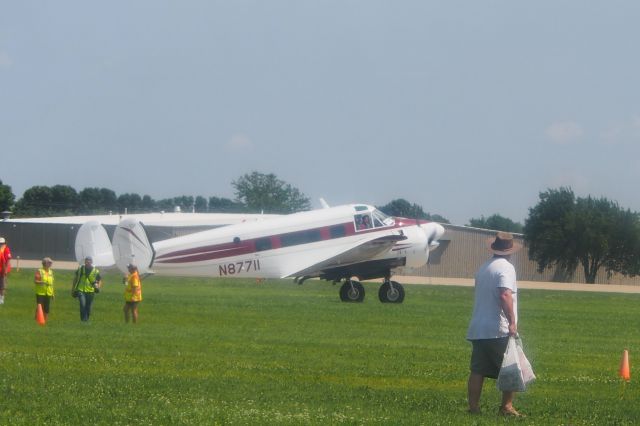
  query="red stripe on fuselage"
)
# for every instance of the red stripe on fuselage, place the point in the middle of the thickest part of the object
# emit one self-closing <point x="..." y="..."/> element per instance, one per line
<point x="243" y="247"/>
<point x="209" y="255"/>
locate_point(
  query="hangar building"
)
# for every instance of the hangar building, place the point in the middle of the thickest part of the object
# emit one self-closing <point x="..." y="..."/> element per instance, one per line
<point x="462" y="249"/>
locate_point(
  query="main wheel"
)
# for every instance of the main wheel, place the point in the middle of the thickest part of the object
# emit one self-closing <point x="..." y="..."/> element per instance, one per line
<point x="391" y="292"/>
<point x="352" y="291"/>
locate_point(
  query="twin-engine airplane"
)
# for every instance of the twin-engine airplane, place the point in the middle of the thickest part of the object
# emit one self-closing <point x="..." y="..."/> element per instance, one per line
<point x="346" y="243"/>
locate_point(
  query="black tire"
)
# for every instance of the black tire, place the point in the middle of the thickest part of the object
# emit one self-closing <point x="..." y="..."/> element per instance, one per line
<point x="352" y="291"/>
<point x="391" y="293"/>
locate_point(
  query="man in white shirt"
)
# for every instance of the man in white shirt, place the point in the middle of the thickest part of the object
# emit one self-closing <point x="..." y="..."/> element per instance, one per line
<point x="494" y="319"/>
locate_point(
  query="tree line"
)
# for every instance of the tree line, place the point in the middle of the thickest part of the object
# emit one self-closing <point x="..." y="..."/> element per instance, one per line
<point x="562" y="231"/>
<point x="255" y="193"/>
<point x="64" y="200"/>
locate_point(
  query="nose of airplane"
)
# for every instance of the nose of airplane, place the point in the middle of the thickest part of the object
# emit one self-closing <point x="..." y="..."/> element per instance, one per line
<point x="424" y="240"/>
<point x="433" y="232"/>
<point x="436" y="234"/>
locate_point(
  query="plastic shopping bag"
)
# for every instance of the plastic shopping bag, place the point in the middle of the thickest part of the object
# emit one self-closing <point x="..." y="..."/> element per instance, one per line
<point x="515" y="372"/>
<point x="525" y="366"/>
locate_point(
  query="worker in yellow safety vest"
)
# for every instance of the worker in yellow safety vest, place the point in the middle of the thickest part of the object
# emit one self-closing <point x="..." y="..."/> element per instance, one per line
<point x="44" y="286"/>
<point x="86" y="284"/>
<point x="132" y="293"/>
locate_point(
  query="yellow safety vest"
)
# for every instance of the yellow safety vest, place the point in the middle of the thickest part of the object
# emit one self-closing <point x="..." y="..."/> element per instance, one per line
<point x="85" y="282"/>
<point x="45" y="285"/>
<point x="133" y="290"/>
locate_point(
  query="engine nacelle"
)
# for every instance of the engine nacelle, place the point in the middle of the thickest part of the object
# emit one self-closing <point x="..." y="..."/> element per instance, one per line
<point x="422" y="238"/>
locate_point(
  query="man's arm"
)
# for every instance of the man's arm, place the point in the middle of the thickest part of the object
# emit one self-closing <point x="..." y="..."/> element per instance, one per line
<point x="76" y="278"/>
<point x="5" y="258"/>
<point x="506" y="302"/>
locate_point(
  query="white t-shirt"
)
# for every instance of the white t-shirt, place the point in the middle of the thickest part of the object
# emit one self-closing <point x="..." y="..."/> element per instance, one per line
<point x="488" y="320"/>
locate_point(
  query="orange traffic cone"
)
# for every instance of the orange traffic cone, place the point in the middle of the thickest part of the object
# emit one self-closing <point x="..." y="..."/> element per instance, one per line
<point x="625" y="372"/>
<point x="40" y="315"/>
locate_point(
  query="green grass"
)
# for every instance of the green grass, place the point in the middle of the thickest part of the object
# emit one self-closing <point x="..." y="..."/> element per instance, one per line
<point x="241" y="352"/>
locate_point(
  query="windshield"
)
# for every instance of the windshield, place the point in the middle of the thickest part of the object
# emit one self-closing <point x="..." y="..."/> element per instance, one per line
<point x="381" y="219"/>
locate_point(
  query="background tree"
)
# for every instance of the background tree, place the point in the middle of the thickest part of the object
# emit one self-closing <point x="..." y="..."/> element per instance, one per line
<point x="266" y="193"/>
<point x="35" y="202"/>
<point x="626" y="250"/>
<point x="185" y="202"/>
<point x="109" y="200"/>
<point x="6" y="197"/>
<point x="132" y="203"/>
<point x="42" y="201"/>
<point x="201" y="204"/>
<point x="497" y="223"/>
<point x="148" y="204"/>
<point x="402" y="208"/>
<point x="565" y="231"/>
<point x="97" y="201"/>
<point x="225" y="205"/>
<point x="64" y="200"/>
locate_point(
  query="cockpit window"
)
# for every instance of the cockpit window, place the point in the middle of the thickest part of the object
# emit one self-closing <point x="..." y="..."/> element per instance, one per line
<point x="363" y="221"/>
<point x="380" y="219"/>
<point x="375" y="219"/>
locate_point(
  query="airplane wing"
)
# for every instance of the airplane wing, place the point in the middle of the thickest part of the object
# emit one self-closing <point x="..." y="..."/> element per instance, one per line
<point x="175" y="220"/>
<point x="360" y="251"/>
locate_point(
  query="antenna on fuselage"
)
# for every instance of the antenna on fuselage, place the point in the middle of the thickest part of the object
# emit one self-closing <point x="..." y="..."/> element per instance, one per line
<point x="323" y="203"/>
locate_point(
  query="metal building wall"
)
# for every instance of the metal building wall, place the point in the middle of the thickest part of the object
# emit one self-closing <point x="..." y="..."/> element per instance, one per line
<point x="462" y="250"/>
<point x="37" y="240"/>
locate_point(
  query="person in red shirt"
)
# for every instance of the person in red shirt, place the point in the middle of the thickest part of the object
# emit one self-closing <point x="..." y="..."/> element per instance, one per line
<point x="5" y="266"/>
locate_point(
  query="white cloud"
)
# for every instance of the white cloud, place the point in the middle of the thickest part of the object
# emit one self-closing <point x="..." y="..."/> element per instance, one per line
<point x="239" y="143"/>
<point x="5" y="60"/>
<point x="564" y="132"/>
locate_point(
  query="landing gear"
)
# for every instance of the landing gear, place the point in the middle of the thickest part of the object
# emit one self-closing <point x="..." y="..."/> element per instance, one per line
<point x="391" y="292"/>
<point x="352" y="291"/>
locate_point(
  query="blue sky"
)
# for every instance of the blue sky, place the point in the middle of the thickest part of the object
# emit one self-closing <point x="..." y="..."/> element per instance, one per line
<point x="467" y="108"/>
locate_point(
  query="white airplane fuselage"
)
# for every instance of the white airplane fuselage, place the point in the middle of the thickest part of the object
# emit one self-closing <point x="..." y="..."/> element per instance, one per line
<point x="281" y="246"/>
<point x="337" y="243"/>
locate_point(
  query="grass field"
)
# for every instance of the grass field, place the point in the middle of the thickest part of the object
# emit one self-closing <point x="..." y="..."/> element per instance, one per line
<point x="241" y="352"/>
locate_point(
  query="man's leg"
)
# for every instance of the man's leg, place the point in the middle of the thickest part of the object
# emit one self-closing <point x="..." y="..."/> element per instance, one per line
<point x="46" y="305"/>
<point x="474" y="390"/>
<point x="507" y="401"/>
<point x="83" y="305"/>
<point x="89" y="303"/>
<point x="3" y="280"/>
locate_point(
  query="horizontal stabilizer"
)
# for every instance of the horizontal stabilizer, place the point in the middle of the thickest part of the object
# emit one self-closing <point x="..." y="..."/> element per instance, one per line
<point x="92" y="240"/>
<point x="131" y="245"/>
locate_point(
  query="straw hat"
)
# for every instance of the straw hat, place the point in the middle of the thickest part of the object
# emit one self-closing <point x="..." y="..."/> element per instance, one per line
<point x="503" y="244"/>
